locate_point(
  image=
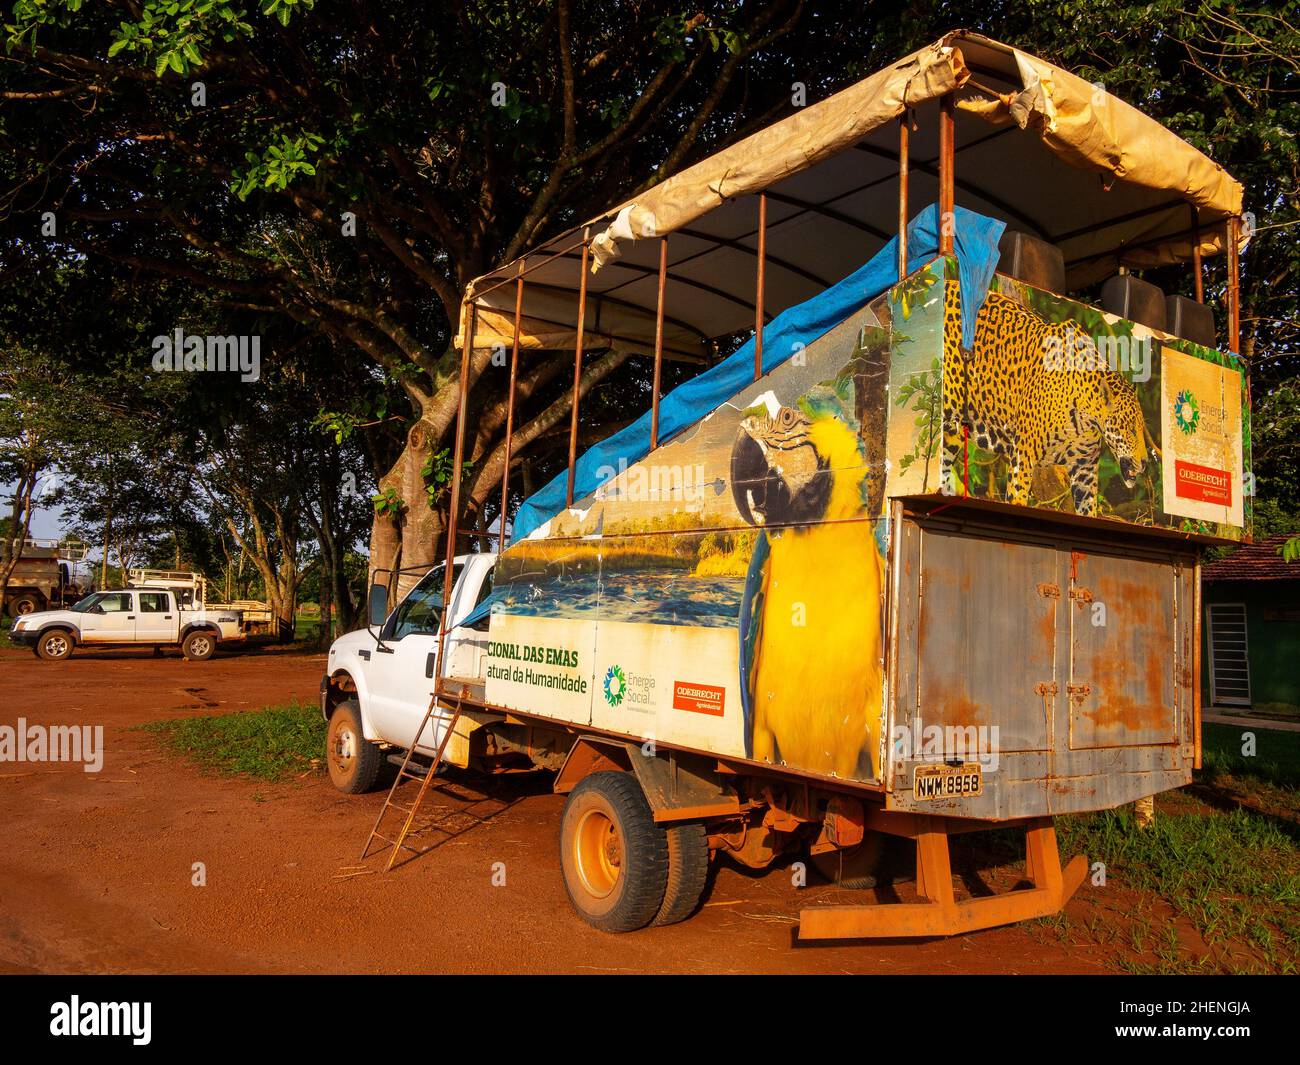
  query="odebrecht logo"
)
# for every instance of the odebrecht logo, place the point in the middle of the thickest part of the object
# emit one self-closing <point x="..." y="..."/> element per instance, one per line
<point x="615" y="685"/>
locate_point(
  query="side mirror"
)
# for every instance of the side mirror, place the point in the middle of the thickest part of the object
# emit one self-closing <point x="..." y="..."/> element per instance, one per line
<point x="377" y="604"/>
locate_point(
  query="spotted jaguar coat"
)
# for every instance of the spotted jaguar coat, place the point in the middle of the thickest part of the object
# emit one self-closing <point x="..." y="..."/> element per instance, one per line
<point x="1019" y="407"/>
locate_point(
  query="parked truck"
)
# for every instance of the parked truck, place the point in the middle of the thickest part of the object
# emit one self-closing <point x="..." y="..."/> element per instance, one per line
<point x="160" y="608"/>
<point x="919" y="557"/>
<point x="45" y="575"/>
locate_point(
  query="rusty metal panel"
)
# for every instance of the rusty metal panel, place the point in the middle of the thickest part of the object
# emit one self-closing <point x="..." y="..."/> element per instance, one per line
<point x="982" y="619"/>
<point x="1123" y="652"/>
<point x="986" y="647"/>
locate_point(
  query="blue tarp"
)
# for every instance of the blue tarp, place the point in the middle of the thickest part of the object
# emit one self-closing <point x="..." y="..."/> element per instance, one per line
<point x="976" y="245"/>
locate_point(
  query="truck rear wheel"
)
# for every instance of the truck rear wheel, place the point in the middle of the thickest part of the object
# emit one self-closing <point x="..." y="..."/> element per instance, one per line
<point x="199" y="646"/>
<point x="354" y="762"/>
<point x="54" y="645"/>
<point x="614" y="856"/>
<point x="688" y="872"/>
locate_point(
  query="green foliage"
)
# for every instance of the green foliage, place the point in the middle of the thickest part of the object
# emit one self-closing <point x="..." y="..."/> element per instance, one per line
<point x="437" y="471"/>
<point x="388" y="501"/>
<point x="924" y="392"/>
<point x="278" y="164"/>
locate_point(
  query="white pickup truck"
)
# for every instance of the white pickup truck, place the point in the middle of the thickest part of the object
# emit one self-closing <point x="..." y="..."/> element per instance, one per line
<point x="155" y="617"/>
<point x="383" y="680"/>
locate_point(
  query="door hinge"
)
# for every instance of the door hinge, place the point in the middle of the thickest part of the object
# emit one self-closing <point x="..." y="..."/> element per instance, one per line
<point x="1049" y="591"/>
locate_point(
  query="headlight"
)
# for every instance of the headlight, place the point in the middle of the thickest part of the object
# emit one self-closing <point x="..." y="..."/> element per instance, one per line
<point x="18" y="625"/>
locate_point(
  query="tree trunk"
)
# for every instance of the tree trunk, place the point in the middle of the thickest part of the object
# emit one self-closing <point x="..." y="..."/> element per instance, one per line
<point x="413" y="540"/>
<point x="20" y="524"/>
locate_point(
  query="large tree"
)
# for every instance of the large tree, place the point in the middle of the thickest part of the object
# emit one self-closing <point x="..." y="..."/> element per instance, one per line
<point x="416" y="144"/>
<point x="347" y="167"/>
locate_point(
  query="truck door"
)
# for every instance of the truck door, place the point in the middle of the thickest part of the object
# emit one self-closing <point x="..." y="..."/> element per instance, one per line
<point x="404" y="665"/>
<point x="467" y="646"/>
<point x="111" y="621"/>
<point x="157" y="620"/>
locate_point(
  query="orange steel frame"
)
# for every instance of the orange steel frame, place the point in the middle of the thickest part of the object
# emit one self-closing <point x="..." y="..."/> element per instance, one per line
<point x="940" y="913"/>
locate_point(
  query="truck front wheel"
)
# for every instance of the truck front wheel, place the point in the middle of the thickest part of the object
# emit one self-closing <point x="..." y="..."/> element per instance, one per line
<point x="614" y="856"/>
<point x="199" y="646"/>
<point x="55" y="645"/>
<point x="354" y="762"/>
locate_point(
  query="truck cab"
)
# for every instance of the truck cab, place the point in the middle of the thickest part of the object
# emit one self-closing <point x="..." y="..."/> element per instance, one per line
<point x="126" y="617"/>
<point x="379" y="679"/>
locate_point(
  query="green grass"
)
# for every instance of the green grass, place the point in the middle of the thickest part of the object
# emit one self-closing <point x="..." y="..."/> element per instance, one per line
<point x="1276" y="759"/>
<point x="1235" y="875"/>
<point x="269" y="744"/>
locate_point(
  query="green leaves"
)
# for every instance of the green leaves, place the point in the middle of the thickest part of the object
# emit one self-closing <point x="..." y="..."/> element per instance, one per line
<point x="169" y="35"/>
<point x="173" y="35"/>
<point x="284" y="9"/>
<point x="387" y="502"/>
<point x="278" y="164"/>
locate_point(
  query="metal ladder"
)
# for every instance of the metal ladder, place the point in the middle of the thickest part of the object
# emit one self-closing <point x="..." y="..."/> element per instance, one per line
<point x="405" y="774"/>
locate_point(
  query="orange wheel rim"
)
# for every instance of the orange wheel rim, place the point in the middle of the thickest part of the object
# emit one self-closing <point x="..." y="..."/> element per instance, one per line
<point x="598" y="853"/>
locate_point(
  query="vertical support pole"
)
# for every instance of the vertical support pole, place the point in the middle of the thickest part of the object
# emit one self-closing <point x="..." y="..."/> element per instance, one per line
<point x="577" y="370"/>
<point x="759" y="285"/>
<point x="510" y="409"/>
<point x="659" y="344"/>
<point x="947" y="157"/>
<point x="1234" y="288"/>
<point x="453" y="504"/>
<point x="904" y="135"/>
<point x="1198" y="284"/>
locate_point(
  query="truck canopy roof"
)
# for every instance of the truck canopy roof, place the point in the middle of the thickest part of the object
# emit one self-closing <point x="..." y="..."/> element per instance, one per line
<point x="1037" y="147"/>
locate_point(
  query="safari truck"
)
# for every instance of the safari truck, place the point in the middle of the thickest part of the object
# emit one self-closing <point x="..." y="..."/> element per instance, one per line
<point x="919" y="557"/>
<point x="44" y="576"/>
<point x="157" y="617"/>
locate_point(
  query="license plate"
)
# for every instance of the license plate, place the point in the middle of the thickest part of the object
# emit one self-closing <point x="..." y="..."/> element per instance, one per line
<point x="946" y="781"/>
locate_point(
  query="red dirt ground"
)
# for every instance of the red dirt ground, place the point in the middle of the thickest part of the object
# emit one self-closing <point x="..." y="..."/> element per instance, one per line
<point x="95" y="869"/>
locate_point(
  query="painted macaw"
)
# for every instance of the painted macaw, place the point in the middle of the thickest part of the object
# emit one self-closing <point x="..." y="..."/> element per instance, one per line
<point x="810" y="617"/>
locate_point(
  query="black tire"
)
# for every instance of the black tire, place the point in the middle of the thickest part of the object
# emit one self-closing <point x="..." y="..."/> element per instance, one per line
<point x="54" y="645"/>
<point x="24" y="603"/>
<point x="614" y="856"/>
<point x="688" y="872"/>
<point x="859" y="867"/>
<point x="199" y="646"/>
<point x="353" y="761"/>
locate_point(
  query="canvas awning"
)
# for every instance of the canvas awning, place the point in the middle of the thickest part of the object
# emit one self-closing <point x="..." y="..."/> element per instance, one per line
<point x="1036" y="146"/>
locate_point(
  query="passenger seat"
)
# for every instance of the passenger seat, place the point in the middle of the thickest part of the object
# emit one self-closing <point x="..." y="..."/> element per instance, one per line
<point x="1191" y="321"/>
<point x="1135" y="300"/>
<point x="1033" y="261"/>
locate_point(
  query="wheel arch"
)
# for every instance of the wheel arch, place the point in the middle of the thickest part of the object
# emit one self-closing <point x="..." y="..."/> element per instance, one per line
<point x="342" y="684"/>
<point x="201" y="626"/>
<point x="62" y="626"/>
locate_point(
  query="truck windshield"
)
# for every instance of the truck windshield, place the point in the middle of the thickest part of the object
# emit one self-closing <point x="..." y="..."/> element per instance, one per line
<point x="421" y="611"/>
<point x="107" y="602"/>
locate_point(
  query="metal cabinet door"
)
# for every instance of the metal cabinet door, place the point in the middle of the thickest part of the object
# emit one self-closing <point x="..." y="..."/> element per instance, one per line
<point x="1124" y="651"/>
